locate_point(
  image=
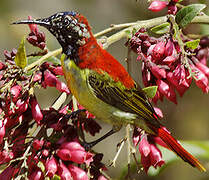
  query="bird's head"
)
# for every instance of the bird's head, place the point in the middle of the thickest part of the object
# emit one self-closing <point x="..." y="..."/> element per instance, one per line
<point x="70" y="29"/>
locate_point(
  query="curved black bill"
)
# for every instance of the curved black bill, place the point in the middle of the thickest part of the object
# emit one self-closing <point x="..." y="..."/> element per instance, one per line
<point x="41" y="22"/>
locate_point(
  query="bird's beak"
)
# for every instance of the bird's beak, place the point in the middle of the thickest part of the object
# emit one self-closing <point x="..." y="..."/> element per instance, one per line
<point x="41" y="22"/>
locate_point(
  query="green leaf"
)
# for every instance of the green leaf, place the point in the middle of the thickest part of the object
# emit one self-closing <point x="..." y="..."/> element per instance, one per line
<point x="128" y="33"/>
<point x="193" y="44"/>
<point x="161" y="29"/>
<point x="20" y="58"/>
<point x="56" y="177"/>
<point x="150" y="91"/>
<point x="41" y="166"/>
<point x="186" y="14"/>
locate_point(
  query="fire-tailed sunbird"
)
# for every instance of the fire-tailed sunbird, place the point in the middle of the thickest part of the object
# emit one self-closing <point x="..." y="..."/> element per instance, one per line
<point x="101" y="84"/>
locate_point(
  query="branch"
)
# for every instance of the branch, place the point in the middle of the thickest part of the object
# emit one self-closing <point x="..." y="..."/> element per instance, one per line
<point x="202" y="19"/>
<point x="114" y="27"/>
<point x="43" y="58"/>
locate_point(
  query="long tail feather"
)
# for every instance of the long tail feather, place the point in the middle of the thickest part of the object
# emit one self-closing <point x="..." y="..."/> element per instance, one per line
<point x="173" y="144"/>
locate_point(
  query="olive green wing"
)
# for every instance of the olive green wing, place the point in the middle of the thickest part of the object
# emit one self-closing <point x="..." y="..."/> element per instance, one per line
<point x="114" y="93"/>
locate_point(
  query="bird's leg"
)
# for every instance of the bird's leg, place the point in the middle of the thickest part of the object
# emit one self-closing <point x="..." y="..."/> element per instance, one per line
<point x="89" y="145"/>
<point x="74" y="113"/>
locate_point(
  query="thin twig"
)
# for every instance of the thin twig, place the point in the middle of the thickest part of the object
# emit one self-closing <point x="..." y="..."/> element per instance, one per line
<point x="114" y="27"/>
<point x="43" y="58"/>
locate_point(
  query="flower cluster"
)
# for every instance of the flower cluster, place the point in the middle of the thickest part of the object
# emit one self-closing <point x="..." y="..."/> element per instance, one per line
<point x="150" y="153"/>
<point x="42" y="155"/>
<point x="164" y="64"/>
<point x="158" y="5"/>
<point x="36" y="38"/>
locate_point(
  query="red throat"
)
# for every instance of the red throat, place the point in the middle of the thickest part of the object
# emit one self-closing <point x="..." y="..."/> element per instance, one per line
<point x="92" y="56"/>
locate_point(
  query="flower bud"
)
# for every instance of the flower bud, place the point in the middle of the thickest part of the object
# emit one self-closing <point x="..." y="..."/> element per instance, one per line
<point x="2" y="65"/>
<point x="57" y="70"/>
<point x="7" y="173"/>
<point x="36" y="175"/>
<point x="50" y="79"/>
<point x="158" y="112"/>
<point x="172" y="9"/>
<point x="156" y="156"/>
<point x="166" y="91"/>
<point x="2" y="131"/>
<point x="169" y="60"/>
<point x="157" y="5"/>
<point x="64" y="154"/>
<point x="33" y="27"/>
<point x="72" y="146"/>
<point x="36" y="110"/>
<point x="45" y="152"/>
<point x="203" y="68"/>
<point x="37" y="144"/>
<point x="158" y="72"/>
<point x="51" y="166"/>
<point x="63" y="172"/>
<point x="77" y="173"/>
<point x="144" y="147"/>
<point x="61" y="86"/>
<point x="37" y="77"/>
<point x="15" y="92"/>
<point x="22" y="105"/>
<point x="158" y="51"/>
<point x="169" y="48"/>
<point x="202" y="81"/>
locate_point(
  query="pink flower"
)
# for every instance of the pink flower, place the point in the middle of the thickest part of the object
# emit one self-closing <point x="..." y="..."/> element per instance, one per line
<point x="64" y="154"/>
<point x="156" y="6"/>
<point x="150" y="154"/>
<point x="7" y="173"/>
<point x="2" y="131"/>
<point x="51" y="166"/>
<point x="36" y="110"/>
<point x="201" y="81"/>
<point x="64" y="172"/>
<point x="77" y="173"/>
<point x="158" y="72"/>
<point x="36" y="38"/>
<point x="203" y="68"/>
<point x="62" y="87"/>
<point x="158" y="112"/>
<point x="36" y="175"/>
<point x="166" y="90"/>
<point x="33" y="27"/>
<point x="78" y="153"/>
<point x="37" y="144"/>
<point x="15" y="92"/>
<point x="158" y="51"/>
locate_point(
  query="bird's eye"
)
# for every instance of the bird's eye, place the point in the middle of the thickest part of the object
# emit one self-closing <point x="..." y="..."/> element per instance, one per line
<point x="66" y="22"/>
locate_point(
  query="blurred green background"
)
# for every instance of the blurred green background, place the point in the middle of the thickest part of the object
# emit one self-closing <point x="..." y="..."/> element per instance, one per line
<point x="189" y="120"/>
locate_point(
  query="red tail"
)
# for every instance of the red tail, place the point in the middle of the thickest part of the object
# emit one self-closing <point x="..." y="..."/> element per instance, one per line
<point x="172" y="143"/>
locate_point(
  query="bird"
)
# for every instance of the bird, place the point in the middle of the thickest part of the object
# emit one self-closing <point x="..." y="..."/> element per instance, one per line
<point x="101" y="84"/>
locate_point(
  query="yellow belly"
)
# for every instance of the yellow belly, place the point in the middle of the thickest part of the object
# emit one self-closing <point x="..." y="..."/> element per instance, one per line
<point x="79" y="87"/>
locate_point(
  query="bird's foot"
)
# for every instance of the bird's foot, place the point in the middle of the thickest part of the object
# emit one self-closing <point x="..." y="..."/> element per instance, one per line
<point x="74" y="114"/>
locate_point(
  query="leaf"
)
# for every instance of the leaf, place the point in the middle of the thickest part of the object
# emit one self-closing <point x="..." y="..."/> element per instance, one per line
<point x="56" y="177"/>
<point x="193" y="44"/>
<point x="161" y="29"/>
<point x="128" y="33"/>
<point x="20" y="58"/>
<point x="150" y="91"/>
<point x="186" y="14"/>
<point x="41" y="166"/>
